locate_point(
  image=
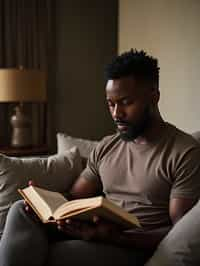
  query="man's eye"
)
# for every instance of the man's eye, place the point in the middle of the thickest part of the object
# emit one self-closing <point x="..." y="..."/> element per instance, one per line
<point x="126" y="102"/>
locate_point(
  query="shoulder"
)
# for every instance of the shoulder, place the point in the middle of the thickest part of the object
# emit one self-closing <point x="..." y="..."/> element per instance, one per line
<point x="184" y="164"/>
<point x="107" y="143"/>
<point x="182" y="148"/>
<point x="181" y="140"/>
<point x="104" y="147"/>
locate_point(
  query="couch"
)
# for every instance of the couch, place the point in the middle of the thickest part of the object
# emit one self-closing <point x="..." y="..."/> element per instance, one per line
<point x="57" y="172"/>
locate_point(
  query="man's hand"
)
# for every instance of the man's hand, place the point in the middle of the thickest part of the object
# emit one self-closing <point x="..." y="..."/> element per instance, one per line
<point x="94" y="230"/>
<point x="26" y="205"/>
<point x="28" y="208"/>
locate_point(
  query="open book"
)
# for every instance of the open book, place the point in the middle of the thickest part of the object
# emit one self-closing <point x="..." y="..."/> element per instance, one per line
<point x="51" y="206"/>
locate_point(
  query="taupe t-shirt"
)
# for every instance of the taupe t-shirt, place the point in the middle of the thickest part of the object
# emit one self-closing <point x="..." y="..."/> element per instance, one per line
<point x="143" y="177"/>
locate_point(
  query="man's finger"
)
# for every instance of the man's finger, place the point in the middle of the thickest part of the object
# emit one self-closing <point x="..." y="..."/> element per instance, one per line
<point x="30" y="211"/>
<point x="96" y="219"/>
<point x="60" y="222"/>
<point x="27" y="208"/>
<point x="68" y="221"/>
<point x="31" y="183"/>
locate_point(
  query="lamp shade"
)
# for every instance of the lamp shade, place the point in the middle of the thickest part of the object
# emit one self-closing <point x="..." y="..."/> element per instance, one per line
<point x="22" y="85"/>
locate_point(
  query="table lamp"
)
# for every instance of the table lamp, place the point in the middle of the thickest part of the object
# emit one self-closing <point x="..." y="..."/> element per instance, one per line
<point x="22" y="86"/>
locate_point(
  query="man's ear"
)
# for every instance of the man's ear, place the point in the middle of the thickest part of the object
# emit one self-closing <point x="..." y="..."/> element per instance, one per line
<point x="155" y="95"/>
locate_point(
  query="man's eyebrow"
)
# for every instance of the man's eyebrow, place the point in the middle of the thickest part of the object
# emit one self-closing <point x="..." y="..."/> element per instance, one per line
<point x="120" y="98"/>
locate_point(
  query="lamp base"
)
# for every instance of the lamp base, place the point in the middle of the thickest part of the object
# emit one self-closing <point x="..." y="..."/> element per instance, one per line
<point x="21" y="124"/>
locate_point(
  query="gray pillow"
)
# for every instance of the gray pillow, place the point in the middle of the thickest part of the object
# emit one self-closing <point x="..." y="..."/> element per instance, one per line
<point x="181" y="247"/>
<point x="57" y="173"/>
<point x="65" y="142"/>
<point x="196" y="135"/>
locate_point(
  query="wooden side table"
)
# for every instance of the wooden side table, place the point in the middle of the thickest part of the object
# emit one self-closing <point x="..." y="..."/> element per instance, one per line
<point x="29" y="151"/>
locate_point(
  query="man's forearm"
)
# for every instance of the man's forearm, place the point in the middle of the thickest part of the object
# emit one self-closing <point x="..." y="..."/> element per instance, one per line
<point x="139" y="239"/>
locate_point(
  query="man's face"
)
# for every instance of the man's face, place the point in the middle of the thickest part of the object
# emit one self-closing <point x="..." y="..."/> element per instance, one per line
<point x="129" y="103"/>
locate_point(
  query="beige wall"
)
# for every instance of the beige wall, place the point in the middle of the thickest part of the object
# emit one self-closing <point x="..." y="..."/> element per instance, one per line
<point x="169" y="30"/>
<point x="86" y="40"/>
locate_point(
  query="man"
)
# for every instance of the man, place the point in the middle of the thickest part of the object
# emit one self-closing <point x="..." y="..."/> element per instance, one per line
<point x="148" y="167"/>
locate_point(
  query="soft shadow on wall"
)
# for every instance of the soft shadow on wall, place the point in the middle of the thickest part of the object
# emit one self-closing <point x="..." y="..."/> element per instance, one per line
<point x="86" y="40"/>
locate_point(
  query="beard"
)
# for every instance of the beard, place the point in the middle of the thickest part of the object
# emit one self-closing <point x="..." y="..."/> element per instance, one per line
<point x="134" y="129"/>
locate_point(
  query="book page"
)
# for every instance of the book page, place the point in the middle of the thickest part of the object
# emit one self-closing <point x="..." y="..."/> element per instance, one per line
<point x="86" y="208"/>
<point x="120" y="212"/>
<point x="46" y="202"/>
<point x="51" y="198"/>
<point x="76" y="205"/>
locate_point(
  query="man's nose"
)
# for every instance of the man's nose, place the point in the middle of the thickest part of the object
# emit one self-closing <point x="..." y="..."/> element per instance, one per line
<point x="117" y="112"/>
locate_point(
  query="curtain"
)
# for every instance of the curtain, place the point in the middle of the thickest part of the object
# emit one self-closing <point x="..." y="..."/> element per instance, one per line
<point x="25" y="36"/>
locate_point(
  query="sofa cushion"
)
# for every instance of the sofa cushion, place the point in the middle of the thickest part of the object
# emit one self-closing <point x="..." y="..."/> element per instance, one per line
<point x="57" y="173"/>
<point x="65" y="142"/>
<point x="181" y="246"/>
<point x="196" y="135"/>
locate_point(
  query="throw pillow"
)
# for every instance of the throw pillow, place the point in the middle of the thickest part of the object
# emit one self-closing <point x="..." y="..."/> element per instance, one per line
<point x="196" y="135"/>
<point x="57" y="173"/>
<point x="65" y="142"/>
<point x="181" y="246"/>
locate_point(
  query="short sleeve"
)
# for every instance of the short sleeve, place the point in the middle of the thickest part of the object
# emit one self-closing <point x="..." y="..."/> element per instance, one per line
<point x="187" y="175"/>
<point x="91" y="171"/>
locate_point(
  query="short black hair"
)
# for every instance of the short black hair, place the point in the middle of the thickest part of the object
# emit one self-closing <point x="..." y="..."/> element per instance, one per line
<point x="134" y="63"/>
